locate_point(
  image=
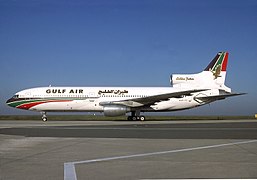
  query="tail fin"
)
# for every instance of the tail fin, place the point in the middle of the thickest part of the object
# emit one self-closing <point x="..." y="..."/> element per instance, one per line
<point x="218" y="65"/>
<point x="213" y="76"/>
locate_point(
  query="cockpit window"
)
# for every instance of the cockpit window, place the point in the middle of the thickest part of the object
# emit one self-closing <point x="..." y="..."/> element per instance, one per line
<point x="16" y="96"/>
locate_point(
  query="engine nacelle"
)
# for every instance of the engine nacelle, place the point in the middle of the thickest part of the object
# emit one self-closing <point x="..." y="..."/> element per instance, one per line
<point x="115" y="110"/>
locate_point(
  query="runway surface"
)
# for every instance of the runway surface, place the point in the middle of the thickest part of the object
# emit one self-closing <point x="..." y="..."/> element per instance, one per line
<point x="128" y="150"/>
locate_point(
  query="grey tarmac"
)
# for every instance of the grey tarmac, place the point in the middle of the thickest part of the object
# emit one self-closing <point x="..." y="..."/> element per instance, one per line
<point x="194" y="149"/>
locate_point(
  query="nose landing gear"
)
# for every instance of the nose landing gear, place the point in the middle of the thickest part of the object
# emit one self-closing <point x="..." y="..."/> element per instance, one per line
<point x="44" y="117"/>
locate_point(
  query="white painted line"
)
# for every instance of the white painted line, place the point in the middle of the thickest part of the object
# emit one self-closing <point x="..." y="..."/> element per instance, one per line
<point x="69" y="171"/>
<point x="69" y="167"/>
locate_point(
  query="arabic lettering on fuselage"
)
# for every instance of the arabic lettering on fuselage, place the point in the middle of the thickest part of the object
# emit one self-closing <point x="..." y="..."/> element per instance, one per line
<point x="119" y="92"/>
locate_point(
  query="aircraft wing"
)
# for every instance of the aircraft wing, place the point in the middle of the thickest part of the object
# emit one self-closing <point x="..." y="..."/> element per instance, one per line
<point x="137" y="102"/>
<point x="218" y="97"/>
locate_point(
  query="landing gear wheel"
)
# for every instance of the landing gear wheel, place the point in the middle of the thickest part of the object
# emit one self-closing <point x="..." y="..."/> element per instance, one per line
<point x="142" y="118"/>
<point x="134" y="118"/>
<point x="44" y="117"/>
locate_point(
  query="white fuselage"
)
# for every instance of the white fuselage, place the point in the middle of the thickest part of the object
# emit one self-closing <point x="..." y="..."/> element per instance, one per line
<point x="94" y="98"/>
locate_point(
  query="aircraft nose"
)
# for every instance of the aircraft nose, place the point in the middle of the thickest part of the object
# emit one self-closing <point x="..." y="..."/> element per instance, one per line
<point x="10" y="101"/>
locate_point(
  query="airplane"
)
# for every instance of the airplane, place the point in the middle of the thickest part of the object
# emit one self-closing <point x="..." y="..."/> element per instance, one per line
<point x="187" y="91"/>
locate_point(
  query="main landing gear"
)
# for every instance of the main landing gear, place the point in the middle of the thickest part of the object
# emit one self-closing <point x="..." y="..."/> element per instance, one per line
<point x="44" y="117"/>
<point x="135" y="116"/>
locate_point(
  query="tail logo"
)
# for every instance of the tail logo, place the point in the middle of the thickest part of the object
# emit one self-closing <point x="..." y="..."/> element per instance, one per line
<point x="216" y="72"/>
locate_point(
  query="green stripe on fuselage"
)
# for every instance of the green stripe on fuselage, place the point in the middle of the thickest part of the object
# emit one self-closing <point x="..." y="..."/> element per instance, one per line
<point x="18" y="103"/>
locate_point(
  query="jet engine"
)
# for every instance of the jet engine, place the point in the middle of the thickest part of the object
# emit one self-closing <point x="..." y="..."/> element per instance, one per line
<point x="114" y="110"/>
